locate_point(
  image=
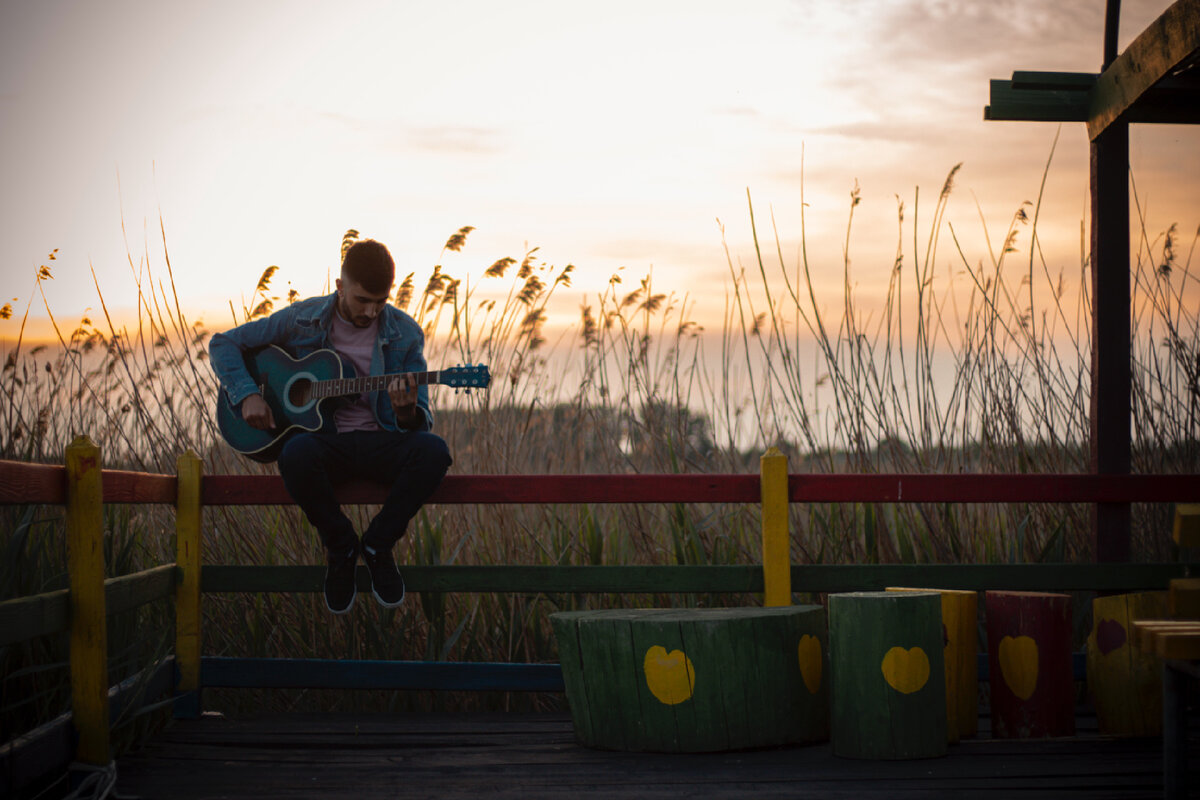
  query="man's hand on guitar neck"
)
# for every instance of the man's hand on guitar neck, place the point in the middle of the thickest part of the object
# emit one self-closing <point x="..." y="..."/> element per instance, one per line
<point x="403" y="393"/>
<point x="257" y="413"/>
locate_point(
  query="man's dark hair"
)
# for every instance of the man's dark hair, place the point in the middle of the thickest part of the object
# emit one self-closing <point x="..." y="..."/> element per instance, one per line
<point x="369" y="264"/>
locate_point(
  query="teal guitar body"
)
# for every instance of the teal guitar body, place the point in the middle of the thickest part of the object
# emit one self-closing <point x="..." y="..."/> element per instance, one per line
<point x="303" y="394"/>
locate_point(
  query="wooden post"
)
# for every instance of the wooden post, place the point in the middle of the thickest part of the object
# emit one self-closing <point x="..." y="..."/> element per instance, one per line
<point x="189" y="469"/>
<point x="888" y="673"/>
<point x="1029" y="664"/>
<point x="1175" y="751"/>
<point x="1125" y="683"/>
<point x="960" y="615"/>
<point x="1111" y="381"/>
<point x="89" y="634"/>
<point x="777" y="565"/>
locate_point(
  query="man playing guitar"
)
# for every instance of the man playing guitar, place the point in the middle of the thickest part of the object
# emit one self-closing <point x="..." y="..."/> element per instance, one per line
<point x="382" y="435"/>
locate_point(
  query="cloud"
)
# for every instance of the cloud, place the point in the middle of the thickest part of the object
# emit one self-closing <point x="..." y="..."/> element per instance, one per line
<point x="449" y="139"/>
<point x="703" y="261"/>
<point x="992" y="33"/>
<point x="941" y="53"/>
<point x="738" y="111"/>
<point x="395" y="136"/>
<point x="898" y="132"/>
<point x="398" y="136"/>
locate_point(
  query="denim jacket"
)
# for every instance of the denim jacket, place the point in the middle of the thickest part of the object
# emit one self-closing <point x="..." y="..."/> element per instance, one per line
<point x="303" y="328"/>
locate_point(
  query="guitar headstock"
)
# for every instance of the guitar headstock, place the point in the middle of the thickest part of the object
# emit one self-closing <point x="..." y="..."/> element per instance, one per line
<point x="466" y="377"/>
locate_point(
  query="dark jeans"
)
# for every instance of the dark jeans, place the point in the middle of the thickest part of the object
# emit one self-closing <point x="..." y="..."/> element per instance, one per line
<point x="412" y="463"/>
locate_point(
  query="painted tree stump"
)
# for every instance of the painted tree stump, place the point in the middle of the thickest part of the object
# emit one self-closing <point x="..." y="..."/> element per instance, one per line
<point x="886" y="658"/>
<point x="1125" y="683"/>
<point x="960" y="619"/>
<point x="695" y="680"/>
<point x="1029" y="662"/>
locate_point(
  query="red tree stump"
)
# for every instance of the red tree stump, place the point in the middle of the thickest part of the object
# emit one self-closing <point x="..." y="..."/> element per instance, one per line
<point x="1029" y="661"/>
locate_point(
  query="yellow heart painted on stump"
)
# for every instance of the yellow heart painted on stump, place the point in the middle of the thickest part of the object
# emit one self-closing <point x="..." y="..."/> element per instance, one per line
<point x="810" y="662"/>
<point x="1019" y="665"/>
<point x="906" y="671"/>
<point x="670" y="676"/>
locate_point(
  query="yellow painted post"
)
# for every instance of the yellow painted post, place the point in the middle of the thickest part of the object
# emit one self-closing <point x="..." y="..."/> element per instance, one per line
<point x="777" y="566"/>
<point x="89" y="634"/>
<point x="189" y="469"/>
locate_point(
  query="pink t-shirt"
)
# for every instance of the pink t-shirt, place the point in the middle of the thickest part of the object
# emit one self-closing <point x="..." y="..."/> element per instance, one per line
<point x="355" y="345"/>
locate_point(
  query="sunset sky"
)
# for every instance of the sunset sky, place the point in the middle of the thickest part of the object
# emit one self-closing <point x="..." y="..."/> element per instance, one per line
<point x="610" y="135"/>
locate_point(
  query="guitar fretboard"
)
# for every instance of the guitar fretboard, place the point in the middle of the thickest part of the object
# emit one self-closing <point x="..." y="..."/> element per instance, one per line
<point x="339" y="387"/>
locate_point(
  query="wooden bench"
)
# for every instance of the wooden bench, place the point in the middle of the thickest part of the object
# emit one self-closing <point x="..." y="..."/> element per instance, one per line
<point x="1177" y="642"/>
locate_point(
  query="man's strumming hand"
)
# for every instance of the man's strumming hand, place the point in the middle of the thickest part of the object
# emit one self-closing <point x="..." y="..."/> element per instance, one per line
<point x="257" y="413"/>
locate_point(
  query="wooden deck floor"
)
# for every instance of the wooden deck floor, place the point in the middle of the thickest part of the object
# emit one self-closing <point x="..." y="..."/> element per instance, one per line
<point x="535" y="756"/>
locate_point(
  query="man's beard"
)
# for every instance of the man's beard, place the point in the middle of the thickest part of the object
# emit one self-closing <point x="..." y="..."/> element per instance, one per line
<point x="361" y="321"/>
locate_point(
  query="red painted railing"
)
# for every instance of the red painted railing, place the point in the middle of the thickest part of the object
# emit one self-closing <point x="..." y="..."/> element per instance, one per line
<point x="46" y="483"/>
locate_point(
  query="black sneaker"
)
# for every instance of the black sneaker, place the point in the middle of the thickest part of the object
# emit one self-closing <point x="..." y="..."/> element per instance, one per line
<point x="386" y="582"/>
<point x="340" y="590"/>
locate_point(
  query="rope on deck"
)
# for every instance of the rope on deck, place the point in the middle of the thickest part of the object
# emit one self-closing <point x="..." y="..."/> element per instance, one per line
<point x="97" y="783"/>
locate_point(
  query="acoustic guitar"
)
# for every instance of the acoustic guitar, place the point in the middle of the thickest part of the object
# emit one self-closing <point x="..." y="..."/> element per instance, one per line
<point x="302" y="394"/>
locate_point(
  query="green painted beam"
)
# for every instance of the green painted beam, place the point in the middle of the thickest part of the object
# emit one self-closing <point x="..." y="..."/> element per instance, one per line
<point x="979" y="577"/>
<point x="130" y="591"/>
<point x="49" y="613"/>
<point x="1029" y="79"/>
<point x="714" y="579"/>
<point x="1165" y="44"/>
<point x="1064" y="97"/>
<point x="37" y="615"/>
<point x="1035" y="105"/>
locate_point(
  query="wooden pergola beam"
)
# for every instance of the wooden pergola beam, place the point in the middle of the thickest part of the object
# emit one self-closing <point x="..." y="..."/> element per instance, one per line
<point x="1165" y="44"/>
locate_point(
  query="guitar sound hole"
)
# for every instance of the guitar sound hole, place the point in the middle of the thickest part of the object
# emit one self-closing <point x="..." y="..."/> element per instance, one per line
<point x="300" y="393"/>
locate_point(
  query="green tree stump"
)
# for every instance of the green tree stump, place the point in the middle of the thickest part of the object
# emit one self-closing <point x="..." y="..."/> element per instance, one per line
<point x="888" y="670"/>
<point x="695" y="680"/>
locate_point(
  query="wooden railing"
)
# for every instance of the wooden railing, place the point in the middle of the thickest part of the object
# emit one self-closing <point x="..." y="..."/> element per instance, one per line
<point x="83" y="488"/>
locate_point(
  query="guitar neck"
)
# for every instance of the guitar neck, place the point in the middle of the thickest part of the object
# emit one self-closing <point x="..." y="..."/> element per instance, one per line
<point x="339" y="387"/>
